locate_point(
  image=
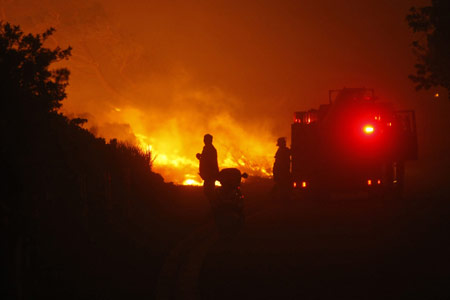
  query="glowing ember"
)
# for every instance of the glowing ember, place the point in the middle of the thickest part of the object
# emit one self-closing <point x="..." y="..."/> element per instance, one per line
<point x="191" y="182"/>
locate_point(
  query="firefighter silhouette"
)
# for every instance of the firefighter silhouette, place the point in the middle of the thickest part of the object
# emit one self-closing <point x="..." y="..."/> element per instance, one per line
<point x="209" y="169"/>
<point x="281" y="169"/>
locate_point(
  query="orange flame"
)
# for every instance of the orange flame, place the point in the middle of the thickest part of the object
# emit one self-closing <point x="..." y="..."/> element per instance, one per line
<point x="173" y="143"/>
<point x="152" y="103"/>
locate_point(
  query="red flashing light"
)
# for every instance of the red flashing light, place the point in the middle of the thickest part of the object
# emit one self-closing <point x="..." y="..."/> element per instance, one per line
<point x="368" y="129"/>
<point x="369" y="182"/>
<point x="378" y="181"/>
<point x="295" y="184"/>
<point x="304" y="184"/>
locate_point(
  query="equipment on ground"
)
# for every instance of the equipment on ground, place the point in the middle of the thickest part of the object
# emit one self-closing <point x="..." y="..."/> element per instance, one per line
<point x="228" y="205"/>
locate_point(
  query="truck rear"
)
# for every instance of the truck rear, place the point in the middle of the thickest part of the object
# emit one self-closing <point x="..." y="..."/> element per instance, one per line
<point x="353" y="143"/>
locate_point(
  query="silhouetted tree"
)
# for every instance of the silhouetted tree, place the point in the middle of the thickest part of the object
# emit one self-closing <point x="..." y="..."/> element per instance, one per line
<point x="64" y="188"/>
<point x="26" y="82"/>
<point x="433" y="51"/>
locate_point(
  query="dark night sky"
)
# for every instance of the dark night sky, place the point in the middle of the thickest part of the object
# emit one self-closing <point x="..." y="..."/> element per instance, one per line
<point x="237" y="69"/>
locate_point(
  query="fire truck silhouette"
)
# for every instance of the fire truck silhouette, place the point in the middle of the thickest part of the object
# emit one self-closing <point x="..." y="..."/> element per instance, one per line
<point x="353" y="143"/>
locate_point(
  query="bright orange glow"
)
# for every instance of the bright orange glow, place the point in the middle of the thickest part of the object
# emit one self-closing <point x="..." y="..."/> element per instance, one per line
<point x="389" y="124"/>
<point x="295" y="184"/>
<point x="303" y="184"/>
<point x="368" y="129"/>
<point x="436" y="95"/>
<point x="369" y="182"/>
<point x="379" y="181"/>
<point x="151" y="86"/>
<point x="194" y="182"/>
<point x="191" y="182"/>
<point x="173" y="143"/>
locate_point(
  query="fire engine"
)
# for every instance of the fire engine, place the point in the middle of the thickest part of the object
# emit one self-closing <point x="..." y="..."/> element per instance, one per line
<point x="354" y="143"/>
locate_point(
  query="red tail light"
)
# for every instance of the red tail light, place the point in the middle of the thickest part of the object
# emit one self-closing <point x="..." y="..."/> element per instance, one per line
<point x="302" y="184"/>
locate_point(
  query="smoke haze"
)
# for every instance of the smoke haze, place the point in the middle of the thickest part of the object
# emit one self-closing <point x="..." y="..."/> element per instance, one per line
<point x="164" y="73"/>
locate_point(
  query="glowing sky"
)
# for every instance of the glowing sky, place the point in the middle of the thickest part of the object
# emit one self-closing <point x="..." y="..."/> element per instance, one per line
<point x="163" y="73"/>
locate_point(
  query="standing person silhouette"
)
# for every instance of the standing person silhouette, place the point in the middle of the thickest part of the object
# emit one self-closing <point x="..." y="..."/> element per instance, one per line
<point x="209" y="168"/>
<point x="281" y="169"/>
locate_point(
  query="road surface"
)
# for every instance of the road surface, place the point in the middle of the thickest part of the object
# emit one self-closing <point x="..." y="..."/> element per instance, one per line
<point x="346" y="247"/>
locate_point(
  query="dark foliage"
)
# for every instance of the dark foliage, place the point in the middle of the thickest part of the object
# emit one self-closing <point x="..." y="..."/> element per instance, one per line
<point x="433" y="51"/>
<point x="68" y="197"/>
